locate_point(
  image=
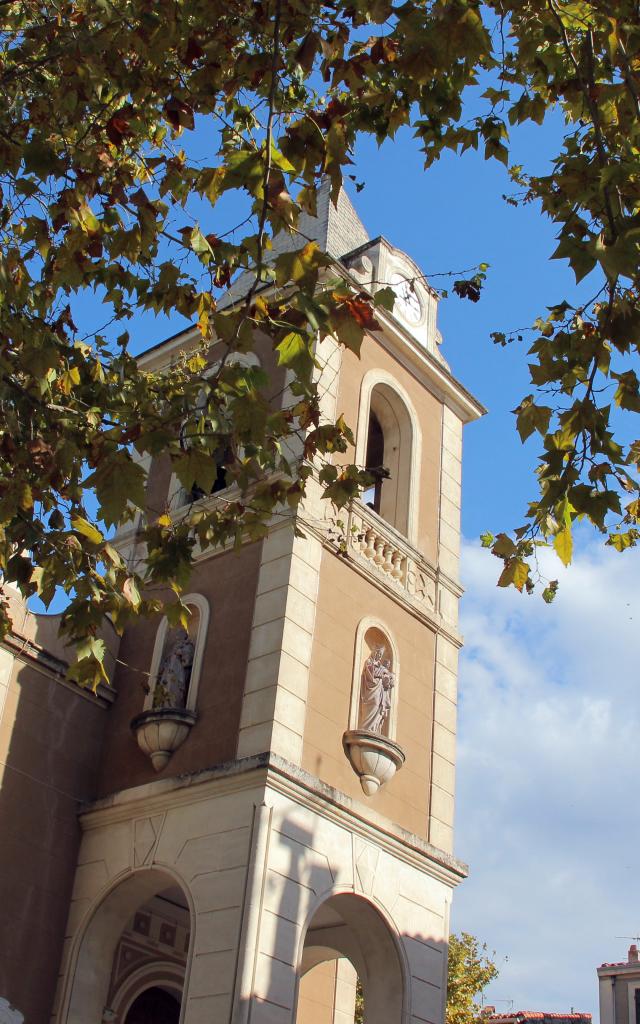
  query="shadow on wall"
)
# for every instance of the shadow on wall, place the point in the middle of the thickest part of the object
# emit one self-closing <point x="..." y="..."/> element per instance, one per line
<point x="50" y="742"/>
<point x="403" y="976"/>
<point x="314" y="928"/>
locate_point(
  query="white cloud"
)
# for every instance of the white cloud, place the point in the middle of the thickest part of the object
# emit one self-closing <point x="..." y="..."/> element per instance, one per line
<point x="548" y="769"/>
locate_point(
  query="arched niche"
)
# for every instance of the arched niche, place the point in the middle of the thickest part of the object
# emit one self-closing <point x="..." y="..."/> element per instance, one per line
<point x="88" y="984"/>
<point x="373" y="636"/>
<point x="167" y="640"/>
<point x="388" y="444"/>
<point x="350" y="926"/>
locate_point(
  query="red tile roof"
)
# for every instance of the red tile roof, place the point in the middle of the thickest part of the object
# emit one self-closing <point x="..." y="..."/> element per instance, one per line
<point x="537" y="1015"/>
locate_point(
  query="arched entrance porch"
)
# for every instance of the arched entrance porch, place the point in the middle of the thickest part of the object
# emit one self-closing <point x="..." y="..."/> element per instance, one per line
<point x="348" y="935"/>
<point x="132" y="955"/>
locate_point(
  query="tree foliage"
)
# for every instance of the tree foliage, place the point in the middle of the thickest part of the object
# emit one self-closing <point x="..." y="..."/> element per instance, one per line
<point x="470" y="970"/>
<point x="125" y="128"/>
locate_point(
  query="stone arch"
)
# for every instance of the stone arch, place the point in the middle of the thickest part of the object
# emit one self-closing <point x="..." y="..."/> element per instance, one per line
<point x="163" y="974"/>
<point x="352" y="926"/>
<point x="383" y="401"/>
<point x="368" y="630"/>
<point x="199" y="602"/>
<point x="89" y="969"/>
<point x="155" y="1005"/>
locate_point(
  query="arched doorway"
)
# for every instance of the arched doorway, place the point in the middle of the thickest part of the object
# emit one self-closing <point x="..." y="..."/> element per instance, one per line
<point x="132" y="957"/>
<point x="154" y="1006"/>
<point x="348" y="939"/>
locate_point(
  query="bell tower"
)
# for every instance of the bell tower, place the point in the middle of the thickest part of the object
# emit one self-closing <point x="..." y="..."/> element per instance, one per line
<point x="272" y="827"/>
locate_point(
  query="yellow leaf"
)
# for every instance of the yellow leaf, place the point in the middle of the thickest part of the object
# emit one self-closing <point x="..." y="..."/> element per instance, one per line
<point x="68" y="379"/>
<point x="130" y="592"/>
<point x="87" y="529"/>
<point x="563" y="544"/>
<point x="563" y="540"/>
<point x="515" y="572"/>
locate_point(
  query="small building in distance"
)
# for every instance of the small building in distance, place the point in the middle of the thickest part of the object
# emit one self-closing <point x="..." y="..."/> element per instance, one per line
<point x="536" y="1017"/>
<point x="619" y="986"/>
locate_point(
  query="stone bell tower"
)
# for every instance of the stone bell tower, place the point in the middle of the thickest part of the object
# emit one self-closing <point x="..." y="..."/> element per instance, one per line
<point x="278" y="822"/>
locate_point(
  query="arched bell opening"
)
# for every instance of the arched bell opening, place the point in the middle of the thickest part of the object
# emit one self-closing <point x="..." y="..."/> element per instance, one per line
<point x="133" y="954"/>
<point x="349" y="940"/>
<point x="389" y="447"/>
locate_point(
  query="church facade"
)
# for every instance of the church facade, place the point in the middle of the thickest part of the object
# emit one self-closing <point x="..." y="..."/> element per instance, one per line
<point x="256" y="820"/>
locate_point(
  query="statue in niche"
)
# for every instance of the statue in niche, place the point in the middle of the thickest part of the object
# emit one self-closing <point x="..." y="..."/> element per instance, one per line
<point x="175" y="672"/>
<point x="377" y="684"/>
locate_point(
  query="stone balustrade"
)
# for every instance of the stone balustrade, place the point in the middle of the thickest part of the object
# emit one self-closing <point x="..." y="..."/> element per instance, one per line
<point x="386" y="554"/>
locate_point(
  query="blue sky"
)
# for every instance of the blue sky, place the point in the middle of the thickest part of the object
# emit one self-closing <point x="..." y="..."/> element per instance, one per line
<point x="548" y="760"/>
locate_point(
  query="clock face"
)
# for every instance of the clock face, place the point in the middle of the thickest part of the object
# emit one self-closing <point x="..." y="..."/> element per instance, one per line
<point x="407" y="303"/>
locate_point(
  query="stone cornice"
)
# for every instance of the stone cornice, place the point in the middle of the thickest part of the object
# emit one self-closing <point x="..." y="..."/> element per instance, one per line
<point x="270" y="771"/>
<point x="432" y="374"/>
<point x="54" y="668"/>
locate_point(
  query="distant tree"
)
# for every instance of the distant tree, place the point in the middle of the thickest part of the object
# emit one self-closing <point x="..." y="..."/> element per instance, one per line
<point x="358" y="1017"/>
<point x="471" y="968"/>
<point x="124" y="127"/>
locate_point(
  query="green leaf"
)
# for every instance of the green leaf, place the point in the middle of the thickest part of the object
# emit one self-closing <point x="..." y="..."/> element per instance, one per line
<point x="196" y="468"/>
<point x="550" y="591"/>
<point x="385" y="297"/>
<point x="300" y="266"/>
<point x="531" y="417"/>
<point x="118" y="481"/>
<point x="292" y="347"/>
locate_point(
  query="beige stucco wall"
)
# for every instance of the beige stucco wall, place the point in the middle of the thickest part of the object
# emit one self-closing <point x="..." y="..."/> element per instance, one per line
<point x="618" y="984"/>
<point x="50" y="743"/>
<point x="327" y="994"/>
<point x="228" y="582"/>
<point x="344" y="599"/>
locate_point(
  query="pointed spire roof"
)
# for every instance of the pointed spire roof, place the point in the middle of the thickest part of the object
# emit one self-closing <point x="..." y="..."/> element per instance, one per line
<point x="337" y="229"/>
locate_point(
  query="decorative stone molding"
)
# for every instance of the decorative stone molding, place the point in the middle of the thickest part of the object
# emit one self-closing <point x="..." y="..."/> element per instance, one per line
<point x="373" y="757"/>
<point x="159" y="733"/>
<point x="386" y="555"/>
<point x="200" y="603"/>
<point x="372" y="632"/>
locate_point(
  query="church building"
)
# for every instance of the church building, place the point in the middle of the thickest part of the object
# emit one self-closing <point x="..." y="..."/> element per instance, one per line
<point x="254" y="823"/>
